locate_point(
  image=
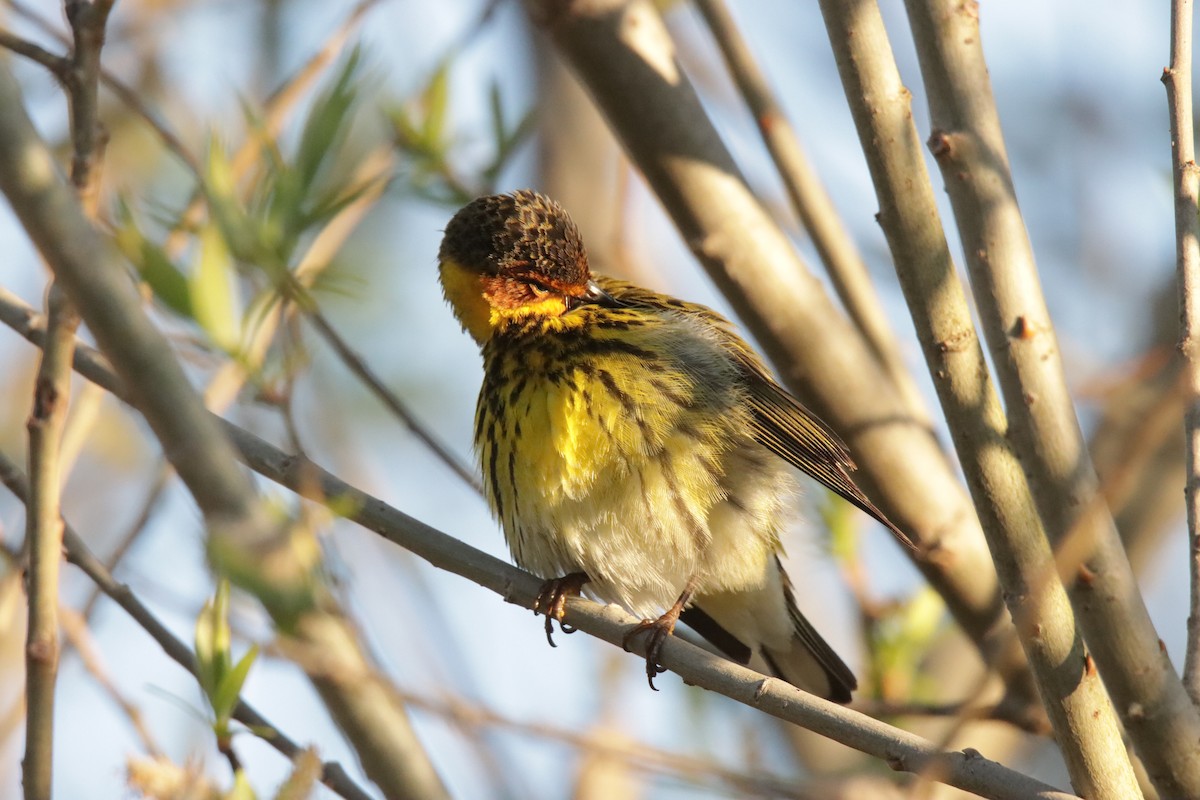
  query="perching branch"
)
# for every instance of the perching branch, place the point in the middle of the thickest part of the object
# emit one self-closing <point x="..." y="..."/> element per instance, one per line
<point x="901" y="750"/>
<point x="969" y="147"/>
<point x="1083" y="718"/>
<point x="1178" y="80"/>
<point x="654" y="111"/>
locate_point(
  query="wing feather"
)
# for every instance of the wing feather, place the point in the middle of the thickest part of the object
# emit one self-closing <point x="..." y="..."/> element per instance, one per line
<point x="780" y="422"/>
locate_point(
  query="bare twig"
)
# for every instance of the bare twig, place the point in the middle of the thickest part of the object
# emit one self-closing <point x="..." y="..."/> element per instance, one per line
<point x="1083" y="718"/>
<point x="88" y="19"/>
<point x="126" y="94"/>
<point x="653" y="109"/>
<point x="44" y="534"/>
<point x="1178" y="80"/>
<point x="58" y="66"/>
<point x="969" y="147"/>
<point x="902" y="750"/>
<point x="78" y="553"/>
<point x="813" y="204"/>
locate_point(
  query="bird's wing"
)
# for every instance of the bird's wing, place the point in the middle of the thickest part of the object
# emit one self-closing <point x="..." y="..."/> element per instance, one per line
<point x="779" y="422"/>
<point x="792" y="432"/>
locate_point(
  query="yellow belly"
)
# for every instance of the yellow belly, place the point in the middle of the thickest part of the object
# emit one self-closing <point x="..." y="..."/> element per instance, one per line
<point x="640" y="496"/>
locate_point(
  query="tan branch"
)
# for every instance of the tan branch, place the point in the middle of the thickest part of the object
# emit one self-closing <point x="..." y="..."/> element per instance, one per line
<point x="969" y="147"/>
<point x="1079" y="710"/>
<point x="43" y="532"/>
<point x="1178" y="80"/>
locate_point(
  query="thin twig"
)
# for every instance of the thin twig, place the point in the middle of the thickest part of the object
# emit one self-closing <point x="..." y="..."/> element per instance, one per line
<point x="58" y="66"/>
<point x="812" y="203"/>
<point x="44" y="534"/>
<point x="1078" y="707"/>
<point x="126" y="94"/>
<point x="969" y="146"/>
<point x="902" y="750"/>
<point x="88" y="23"/>
<point x="1178" y="80"/>
<point x="78" y="554"/>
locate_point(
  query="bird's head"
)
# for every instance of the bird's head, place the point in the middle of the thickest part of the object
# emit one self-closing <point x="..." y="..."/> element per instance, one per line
<point x="508" y="257"/>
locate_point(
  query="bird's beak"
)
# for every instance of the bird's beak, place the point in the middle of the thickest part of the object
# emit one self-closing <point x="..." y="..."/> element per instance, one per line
<point x="594" y="294"/>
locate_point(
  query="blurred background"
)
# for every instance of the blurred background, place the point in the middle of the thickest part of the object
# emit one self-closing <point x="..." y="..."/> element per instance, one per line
<point x="335" y="141"/>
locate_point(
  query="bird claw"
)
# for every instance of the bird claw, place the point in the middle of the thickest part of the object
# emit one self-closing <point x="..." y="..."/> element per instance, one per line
<point x="660" y="629"/>
<point x="552" y="601"/>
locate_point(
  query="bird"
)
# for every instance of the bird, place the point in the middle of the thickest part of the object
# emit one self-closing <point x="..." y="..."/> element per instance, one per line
<point x="634" y="447"/>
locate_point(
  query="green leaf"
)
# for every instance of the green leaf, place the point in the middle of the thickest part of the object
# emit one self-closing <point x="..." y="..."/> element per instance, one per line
<point x="213" y="641"/>
<point x="213" y="287"/>
<point x="226" y="698"/>
<point x="169" y="285"/>
<point x="241" y="788"/>
<point x="436" y="100"/>
<point x="327" y="122"/>
<point x="240" y="231"/>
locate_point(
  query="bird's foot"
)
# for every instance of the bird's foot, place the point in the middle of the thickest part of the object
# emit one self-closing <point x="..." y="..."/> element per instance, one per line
<point x="552" y="601"/>
<point x="660" y="630"/>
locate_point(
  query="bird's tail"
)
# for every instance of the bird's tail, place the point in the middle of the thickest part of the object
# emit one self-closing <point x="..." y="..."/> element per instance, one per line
<point x="763" y="628"/>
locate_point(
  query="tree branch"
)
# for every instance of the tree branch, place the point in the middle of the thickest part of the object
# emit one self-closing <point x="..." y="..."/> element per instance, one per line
<point x="969" y="147"/>
<point x="1178" y="80"/>
<point x="1083" y="718"/>
<point x="901" y="750"/>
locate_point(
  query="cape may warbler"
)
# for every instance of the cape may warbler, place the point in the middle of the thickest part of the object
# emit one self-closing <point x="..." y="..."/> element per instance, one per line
<point x="634" y="443"/>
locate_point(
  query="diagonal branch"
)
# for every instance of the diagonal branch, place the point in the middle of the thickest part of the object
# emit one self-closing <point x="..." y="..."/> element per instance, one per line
<point x="969" y="147"/>
<point x="901" y="750"/>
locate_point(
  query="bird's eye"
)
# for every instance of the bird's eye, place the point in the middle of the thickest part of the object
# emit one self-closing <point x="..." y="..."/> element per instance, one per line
<point x="538" y="290"/>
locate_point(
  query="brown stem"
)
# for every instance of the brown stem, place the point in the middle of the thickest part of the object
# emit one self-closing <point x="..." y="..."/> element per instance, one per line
<point x="44" y="533"/>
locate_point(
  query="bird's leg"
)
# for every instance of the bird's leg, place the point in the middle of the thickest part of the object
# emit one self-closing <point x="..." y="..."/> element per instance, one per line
<point x="552" y="601"/>
<point x="660" y="629"/>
